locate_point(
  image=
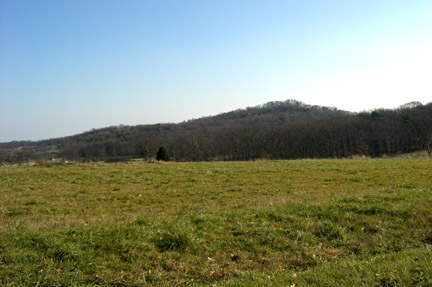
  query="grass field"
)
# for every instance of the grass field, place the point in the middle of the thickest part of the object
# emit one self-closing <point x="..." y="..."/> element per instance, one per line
<point x="263" y="223"/>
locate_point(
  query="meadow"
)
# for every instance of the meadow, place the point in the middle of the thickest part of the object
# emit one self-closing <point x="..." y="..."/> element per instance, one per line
<point x="261" y="223"/>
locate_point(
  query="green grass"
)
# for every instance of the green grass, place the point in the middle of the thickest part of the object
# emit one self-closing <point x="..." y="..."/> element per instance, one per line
<point x="264" y="223"/>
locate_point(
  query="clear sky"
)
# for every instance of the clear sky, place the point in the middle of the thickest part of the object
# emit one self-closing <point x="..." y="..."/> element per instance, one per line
<point x="70" y="66"/>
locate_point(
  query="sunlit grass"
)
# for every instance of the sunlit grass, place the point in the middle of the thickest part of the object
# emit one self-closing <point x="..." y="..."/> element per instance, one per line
<point x="226" y="223"/>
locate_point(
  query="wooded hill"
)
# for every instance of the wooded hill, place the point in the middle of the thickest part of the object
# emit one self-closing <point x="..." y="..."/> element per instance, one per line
<point x="276" y="130"/>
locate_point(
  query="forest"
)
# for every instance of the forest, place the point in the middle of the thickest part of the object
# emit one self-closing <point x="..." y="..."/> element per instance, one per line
<point x="275" y="130"/>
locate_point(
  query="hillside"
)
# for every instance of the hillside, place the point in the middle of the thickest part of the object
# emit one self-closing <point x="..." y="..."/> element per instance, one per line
<point x="278" y="130"/>
<point x="269" y="113"/>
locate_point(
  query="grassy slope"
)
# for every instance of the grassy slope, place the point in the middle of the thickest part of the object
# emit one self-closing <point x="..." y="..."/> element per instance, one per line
<point x="268" y="223"/>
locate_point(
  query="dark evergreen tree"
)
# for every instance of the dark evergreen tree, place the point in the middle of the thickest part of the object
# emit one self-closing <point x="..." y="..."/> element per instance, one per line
<point x="162" y="154"/>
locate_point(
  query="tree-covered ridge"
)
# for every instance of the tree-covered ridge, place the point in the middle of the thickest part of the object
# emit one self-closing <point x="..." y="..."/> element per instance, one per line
<point x="276" y="130"/>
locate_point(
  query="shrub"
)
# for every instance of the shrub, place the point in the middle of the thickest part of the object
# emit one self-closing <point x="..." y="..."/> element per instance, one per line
<point x="162" y="154"/>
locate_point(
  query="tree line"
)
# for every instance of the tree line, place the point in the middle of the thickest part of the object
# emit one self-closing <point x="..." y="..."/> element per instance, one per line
<point x="277" y="130"/>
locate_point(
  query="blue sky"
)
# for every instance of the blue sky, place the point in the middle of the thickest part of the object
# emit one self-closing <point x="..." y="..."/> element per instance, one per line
<point x="70" y="66"/>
